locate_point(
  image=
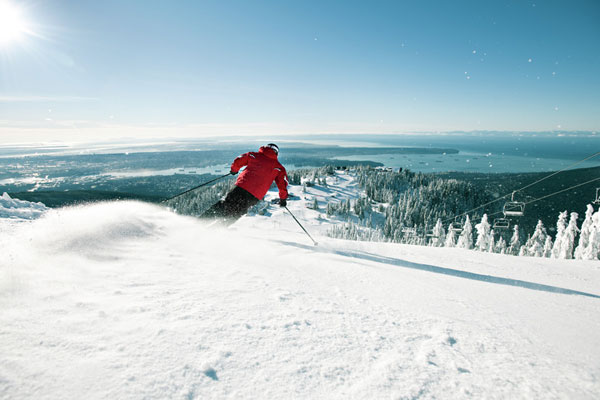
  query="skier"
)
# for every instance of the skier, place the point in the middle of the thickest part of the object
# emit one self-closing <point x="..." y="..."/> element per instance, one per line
<point x="262" y="168"/>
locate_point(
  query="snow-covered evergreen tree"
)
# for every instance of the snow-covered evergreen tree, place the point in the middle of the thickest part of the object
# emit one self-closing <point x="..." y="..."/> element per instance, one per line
<point x="330" y="210"/>
<point x="535" y="244"/>
<point x="568" y="241"/>
<point x="465" y="240"/>
<point x="484" y="237"/>
<point x="561" y="225"/>
<point x="592" y="251"/>
<point x="450" y="238"/>
<point x="586" y="230"/>
<point x="492" y="247"/>
<point x="548" y="247"/>
<point x="515" y="242"/>
<point x="439" y="234"/>
<point x="315" y="204"/>
<point x="523" y="251"/>
<point x="501" y="246"/>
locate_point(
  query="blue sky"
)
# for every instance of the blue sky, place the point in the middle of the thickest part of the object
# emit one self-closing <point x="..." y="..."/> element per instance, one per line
<point x="102" y="69"/>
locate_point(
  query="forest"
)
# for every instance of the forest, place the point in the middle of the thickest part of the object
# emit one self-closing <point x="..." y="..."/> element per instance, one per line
<point x="441" y="210"/>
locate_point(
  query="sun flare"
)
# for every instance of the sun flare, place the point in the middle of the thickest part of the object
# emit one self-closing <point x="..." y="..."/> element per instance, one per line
<point x="12" y="23"/>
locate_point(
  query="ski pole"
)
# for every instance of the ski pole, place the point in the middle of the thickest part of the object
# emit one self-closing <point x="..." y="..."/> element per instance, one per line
<point x="196" y="187"/>
<point x="295" y="219"/>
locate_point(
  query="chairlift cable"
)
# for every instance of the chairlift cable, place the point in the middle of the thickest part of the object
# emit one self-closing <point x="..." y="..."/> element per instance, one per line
<point x="557" y="172"/>
<point x="523" y="188"/>
<point x="477" y="208"/>
<point x="553" y="194"/>
<point x="562" y="190"/>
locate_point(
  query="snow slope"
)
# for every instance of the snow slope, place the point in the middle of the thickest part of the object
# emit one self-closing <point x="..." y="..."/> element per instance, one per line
<point x="129" y="300"/>
<point x="19" y="209"/>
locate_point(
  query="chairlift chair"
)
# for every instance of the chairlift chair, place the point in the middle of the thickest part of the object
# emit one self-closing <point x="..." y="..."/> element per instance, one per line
<point x="455" y="227"/>
<point x="501" y="223"/>
<point x="513" y="208"/>
<point x="597" y="200"/>
<point x="409" y="231"/>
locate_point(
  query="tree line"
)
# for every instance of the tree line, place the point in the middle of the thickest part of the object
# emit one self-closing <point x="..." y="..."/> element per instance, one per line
<point x="417" y="208"/>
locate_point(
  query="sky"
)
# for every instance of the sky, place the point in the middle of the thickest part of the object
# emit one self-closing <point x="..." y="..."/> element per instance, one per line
<point x="93" y="70"/>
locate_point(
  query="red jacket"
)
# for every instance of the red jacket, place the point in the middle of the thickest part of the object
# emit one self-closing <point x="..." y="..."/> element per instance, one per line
<point x="262" y="169"/>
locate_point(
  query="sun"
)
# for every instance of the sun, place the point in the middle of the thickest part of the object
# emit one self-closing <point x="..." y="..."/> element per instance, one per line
<point x="12" y="23"/>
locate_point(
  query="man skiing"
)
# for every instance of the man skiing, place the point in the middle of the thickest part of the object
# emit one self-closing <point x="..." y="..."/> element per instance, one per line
<point x="262" y="168"/>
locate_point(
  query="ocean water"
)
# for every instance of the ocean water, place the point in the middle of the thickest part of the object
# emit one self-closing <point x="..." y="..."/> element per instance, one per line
<point x="488" y="154"/>
<point x="475" y="162"/>
<point x="485" y="153"/>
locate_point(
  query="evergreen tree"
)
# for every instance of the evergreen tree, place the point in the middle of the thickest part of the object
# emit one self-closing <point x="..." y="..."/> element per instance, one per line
<point x="484" y="237"/>
<point x="561" y="225"/>
<point x="548" y="247"/>
<point x="568" y="241"/>
<point x="592" y="251"/>
<point x="515" y="242"/>
<point x="523" y="251"/>
<point x="439" y="234"/>
<point x="465" y="240"/>
<point x="492" y="247"/>
<point x="586" y="230"/>
<point x="535" y="245"/>
<point x="330" y="209"/>
<point x="450" y="238"/>
<point x="501" y="246"/>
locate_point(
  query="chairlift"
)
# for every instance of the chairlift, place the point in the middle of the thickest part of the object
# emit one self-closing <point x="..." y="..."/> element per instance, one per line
<point x="597" y="200"/>
<point x="501" y="223"/>
<point x="455" y="227"/>
<point x="410" y="231"/>
<point x="514" y="208"/>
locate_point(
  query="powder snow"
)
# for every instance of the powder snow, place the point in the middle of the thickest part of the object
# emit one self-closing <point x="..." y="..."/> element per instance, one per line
<point x="130" y="300"/>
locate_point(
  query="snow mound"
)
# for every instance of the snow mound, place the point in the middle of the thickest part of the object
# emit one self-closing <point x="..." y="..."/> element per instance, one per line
<point x="20" y="209"/>
<point x="96" y="230"/>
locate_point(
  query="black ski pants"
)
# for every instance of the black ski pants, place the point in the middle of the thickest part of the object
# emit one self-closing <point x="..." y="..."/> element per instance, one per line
<point x="232" y="207"/>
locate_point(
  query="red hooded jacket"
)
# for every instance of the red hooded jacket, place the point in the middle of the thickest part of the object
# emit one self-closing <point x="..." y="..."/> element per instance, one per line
<point x="262" y="169"/>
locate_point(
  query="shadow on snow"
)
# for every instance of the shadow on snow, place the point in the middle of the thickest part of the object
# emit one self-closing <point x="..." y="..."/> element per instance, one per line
<point x="447" y="271"/>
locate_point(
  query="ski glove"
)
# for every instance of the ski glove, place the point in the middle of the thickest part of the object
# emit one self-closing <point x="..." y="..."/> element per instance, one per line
<point x="232" y="173"/>
<point x="282" y="202"/>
